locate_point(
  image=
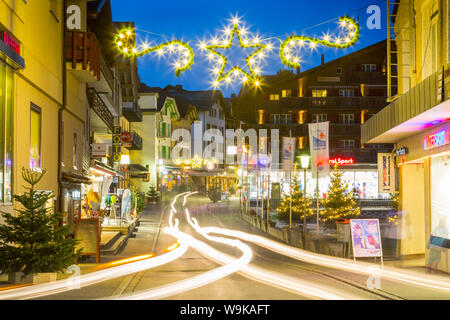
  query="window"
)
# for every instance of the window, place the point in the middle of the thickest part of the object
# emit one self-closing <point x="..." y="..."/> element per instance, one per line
<point x="286" y="93"/>
<point x="6" y="132"/>
<point x="319" y="93"/>
<point x="346" y="144"/>
<point x="339" y="70"/>
<point x="346" y="92"/>
<point x="274" y="97"/>
<point x="319" y="117"/>
<point x="369" y="67"/>
<point x="75" y="151"/>
<point x="35" y="137"/>
<point x="281" y="118"/>
<point x="347" y="118"/>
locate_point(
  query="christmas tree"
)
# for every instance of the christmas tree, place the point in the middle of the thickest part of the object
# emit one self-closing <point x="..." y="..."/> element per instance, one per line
<point x="138" y="202"/>
<point x="32" y="241"/>
<point x="339" y="202"/>
<point x="153" y="194"/>
<point x="298" y="205"/>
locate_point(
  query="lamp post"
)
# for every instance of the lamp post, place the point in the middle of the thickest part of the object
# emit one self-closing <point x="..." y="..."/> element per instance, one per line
<point x="304" y="162"/>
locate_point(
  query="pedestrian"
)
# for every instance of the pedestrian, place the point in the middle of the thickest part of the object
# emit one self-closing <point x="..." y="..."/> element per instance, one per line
<point x="438" y="239"/>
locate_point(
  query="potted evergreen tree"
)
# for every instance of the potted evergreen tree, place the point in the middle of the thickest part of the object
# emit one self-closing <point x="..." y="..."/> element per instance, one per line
<point x="153" y="195"/>
<point x="31" y="242"/>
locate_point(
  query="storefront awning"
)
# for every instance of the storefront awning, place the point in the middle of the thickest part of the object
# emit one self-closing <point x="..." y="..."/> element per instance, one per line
<point x="137" y="168"/>
<point x="75" y="178"/>
<point x="11" y="57"/>
<point x="101" y="170"/>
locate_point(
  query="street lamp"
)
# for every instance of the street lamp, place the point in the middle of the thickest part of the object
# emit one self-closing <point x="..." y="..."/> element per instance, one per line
<point x="304" y="162"/>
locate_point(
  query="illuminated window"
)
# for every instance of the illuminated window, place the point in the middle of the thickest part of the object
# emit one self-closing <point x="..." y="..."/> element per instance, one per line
<point x="319" y="93"/>
<point x="6" y="132"/>
<point x="35" y="137"/>
<point x="274" y="97"/>
<point x="286" y="93"/>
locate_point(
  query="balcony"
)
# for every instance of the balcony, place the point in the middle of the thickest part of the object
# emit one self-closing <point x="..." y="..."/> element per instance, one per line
<point x="344" y="102"/>
<point x="132" y="112"/>
<point x="98" y="105"/>
<point x="83" y="55"/>
<point x="367" y="77"/>
<point x="136" y="142"/>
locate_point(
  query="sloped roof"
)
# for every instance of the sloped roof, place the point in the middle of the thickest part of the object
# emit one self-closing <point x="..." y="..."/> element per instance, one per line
<point x="202" y="100"/>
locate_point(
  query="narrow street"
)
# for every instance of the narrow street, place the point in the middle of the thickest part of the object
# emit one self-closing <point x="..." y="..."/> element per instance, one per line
<point x="238" y="286"/>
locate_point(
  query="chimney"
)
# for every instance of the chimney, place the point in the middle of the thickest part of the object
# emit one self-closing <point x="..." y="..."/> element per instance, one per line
<point x="322" y="59"/>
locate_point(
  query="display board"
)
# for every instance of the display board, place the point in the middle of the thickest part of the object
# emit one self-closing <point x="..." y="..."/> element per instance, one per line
<point x="366" y="238"/>
<point x="88" y="232"/>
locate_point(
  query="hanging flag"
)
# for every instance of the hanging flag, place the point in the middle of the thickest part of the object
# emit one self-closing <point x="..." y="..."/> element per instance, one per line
<point x="288" y="153"/>
<point x="319" y="147"/>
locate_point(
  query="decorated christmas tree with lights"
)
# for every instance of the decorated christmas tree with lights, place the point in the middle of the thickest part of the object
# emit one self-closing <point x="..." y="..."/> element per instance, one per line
<point x="339" y="203"/>
<point x="298" y="204"/>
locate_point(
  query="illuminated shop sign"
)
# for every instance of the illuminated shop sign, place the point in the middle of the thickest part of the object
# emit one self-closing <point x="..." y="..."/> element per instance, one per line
<point x="10" y="42"/>
<point x="437" y="139"/>
<point x="342" y="161"/>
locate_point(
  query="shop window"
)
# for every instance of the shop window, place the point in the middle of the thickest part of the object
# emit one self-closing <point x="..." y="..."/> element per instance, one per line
<point x="6" y="132"/>
<point x="35" y="137"/>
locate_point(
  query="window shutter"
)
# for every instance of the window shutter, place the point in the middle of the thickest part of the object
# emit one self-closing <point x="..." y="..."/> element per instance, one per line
<point x="294" y="117"/>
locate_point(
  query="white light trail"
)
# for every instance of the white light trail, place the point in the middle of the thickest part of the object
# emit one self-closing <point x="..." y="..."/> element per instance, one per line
<point x="337" y="263"/>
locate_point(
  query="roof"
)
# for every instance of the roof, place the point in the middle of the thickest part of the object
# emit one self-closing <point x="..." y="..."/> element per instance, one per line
<point x="203" y="100"/>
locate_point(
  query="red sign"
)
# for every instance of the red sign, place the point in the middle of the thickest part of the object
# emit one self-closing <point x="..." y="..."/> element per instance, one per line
<point x="147" y="178"/>
<point x="438" y="139"/>
<point x="342" y="161"/>
<point x="126" y="137"/>
<point x="124" y="168"/>
<point x="10" y="42"/>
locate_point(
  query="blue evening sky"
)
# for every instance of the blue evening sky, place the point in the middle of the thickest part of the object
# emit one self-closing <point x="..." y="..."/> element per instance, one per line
<point x="197" y="20"/>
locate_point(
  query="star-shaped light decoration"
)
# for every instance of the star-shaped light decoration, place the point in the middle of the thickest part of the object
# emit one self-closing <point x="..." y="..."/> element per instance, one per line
<point x="236" y="72"/>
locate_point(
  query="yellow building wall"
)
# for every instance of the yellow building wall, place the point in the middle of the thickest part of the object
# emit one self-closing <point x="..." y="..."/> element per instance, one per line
<point x="412" y="207"/>
<point x="40" y="36"/>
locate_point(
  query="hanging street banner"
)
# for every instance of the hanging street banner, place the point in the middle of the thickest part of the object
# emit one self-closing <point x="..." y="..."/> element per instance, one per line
<point x="366" y="238"/>
<point x="319" y="148"/>
<point x="386" y="173"/>
<point x="288" y="153"/>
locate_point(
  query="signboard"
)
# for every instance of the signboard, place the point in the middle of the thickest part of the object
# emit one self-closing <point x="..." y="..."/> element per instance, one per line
<point x="117" y="143"/>
<point x="386" y="173"/>
<point x="401" y="151"/>
<point x="319" y="144"/>
<point x="10" y="42"/>
<point x="88" y="232"/>
<point x="366" y="238"/>
<point x="99" y="150"/>
<point x="341" y="161"/>
<point x="76" y="13"/>
<point x="438" y="139"/>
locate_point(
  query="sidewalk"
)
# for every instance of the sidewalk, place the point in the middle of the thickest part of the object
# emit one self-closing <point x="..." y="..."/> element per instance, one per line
<point x="142" y="241"/>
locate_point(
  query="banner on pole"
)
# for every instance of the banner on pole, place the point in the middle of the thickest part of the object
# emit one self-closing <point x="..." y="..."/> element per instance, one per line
<point x="288" y="153"/>
<point x="319" y="148"/>
<point x="386" y="173"/>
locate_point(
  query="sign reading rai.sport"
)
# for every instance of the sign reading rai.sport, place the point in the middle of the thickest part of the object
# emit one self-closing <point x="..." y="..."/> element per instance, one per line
<point x="386" y="173"/>
<point x="366" y="238"/>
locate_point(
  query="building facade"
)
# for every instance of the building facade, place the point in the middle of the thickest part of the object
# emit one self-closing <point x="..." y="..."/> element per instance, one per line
<point x="417" y="123"/>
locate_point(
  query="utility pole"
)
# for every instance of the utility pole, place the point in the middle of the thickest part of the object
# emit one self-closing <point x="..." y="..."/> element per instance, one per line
<point x="290" y="189"/>
<point x="304" y="213"/>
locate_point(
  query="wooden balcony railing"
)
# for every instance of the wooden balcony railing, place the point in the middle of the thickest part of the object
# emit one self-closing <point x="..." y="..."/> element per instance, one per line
<point x="83" y="48"/>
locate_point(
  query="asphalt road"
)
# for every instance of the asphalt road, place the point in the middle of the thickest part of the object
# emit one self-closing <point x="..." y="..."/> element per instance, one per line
<point x="239" y="286"/>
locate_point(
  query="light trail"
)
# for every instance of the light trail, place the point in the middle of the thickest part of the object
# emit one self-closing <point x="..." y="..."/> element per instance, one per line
<point x="60" y="286"/>
<point x="439" y="283"/>
<point x="114" y="269"/>
<point x="278" y="280"/>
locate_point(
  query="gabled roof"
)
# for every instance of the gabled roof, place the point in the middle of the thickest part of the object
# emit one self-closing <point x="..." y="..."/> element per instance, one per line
<point x="203" y="100"/>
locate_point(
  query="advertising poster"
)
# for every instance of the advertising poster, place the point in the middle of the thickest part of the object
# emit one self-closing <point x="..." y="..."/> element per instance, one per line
<point x="319" y="144"/>
<point x="366" y="238"/>
<point x="386" y="173"/>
